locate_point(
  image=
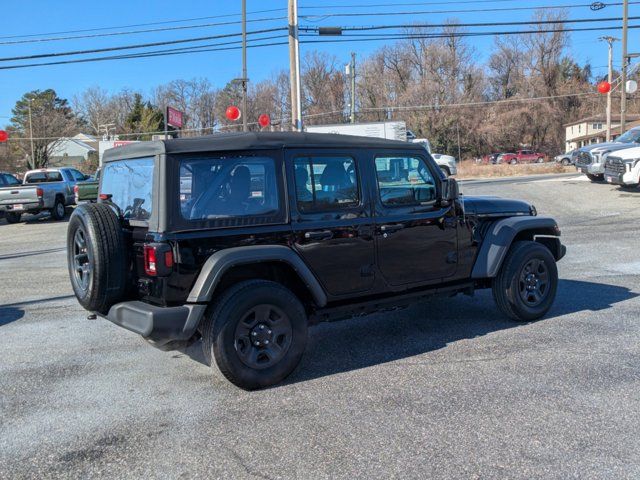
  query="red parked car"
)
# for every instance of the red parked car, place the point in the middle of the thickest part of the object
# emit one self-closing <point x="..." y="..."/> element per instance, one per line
<point x="522" y="156"/>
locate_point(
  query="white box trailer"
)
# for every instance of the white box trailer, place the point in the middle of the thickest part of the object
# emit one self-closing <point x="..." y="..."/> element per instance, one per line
<point x="388" y="130"/>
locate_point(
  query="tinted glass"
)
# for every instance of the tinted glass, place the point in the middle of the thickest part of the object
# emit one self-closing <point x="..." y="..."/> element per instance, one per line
<point x="404" y="181"/>
<point x="11" y="180"/>
<point x="43" y="177"/>
<point x="77" y="176"/>
<point x="130" y="184"/>
<point x="325" y="183"/>
<point x="213" y="188"/>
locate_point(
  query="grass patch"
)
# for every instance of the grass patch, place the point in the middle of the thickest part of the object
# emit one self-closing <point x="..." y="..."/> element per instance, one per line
<point x="469" y="169"/>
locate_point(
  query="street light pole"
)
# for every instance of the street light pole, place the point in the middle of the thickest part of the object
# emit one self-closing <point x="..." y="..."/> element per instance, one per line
<point x="610" y="41"/>
<point x="353" y="87"/>
<point x="244" y="66"/>
<point x="623" y="89"/>
<point x="33" y="159"/>
<point x="294" y="66"/>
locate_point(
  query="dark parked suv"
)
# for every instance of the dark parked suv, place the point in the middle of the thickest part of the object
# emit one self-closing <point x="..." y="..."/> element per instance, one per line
<point x="246" y="239"/>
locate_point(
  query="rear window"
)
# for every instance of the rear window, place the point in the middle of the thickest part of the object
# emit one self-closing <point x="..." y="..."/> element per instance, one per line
<point x="229" y="191"/>
<point x="130" y="184"/>
<point x="43" y="177"/>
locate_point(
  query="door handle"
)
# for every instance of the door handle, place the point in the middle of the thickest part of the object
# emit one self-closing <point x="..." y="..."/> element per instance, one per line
<point x="391" y="228"/>
<point x="319" y="235"/>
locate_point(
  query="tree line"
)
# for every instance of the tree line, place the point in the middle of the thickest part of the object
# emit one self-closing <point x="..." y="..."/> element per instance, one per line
<point x="521" y="96"/>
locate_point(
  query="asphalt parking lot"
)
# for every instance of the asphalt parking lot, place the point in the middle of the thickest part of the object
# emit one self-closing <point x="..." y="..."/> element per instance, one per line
<point x="446" y="389"/>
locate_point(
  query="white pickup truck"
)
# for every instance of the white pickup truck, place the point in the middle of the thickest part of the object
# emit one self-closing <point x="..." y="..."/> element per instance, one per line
<point x="623" y="167"/>
<point x="46" y="189"/>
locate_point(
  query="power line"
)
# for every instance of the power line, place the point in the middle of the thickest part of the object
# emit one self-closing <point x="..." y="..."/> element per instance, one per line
<point x="412" y="4"/>
<point x="137" y="55"/>
<point x="135" y="32"/>
<point x="435" y="12"/>
<point x="139" y="45"/>
<point x="480" y="24"/>
<point x="164" y="22"/>
<point x="417" y="36"/>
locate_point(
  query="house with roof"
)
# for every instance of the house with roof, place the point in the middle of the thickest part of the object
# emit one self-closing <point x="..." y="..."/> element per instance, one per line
<point x="73" y="151"/>
<point x="593" y="129"/>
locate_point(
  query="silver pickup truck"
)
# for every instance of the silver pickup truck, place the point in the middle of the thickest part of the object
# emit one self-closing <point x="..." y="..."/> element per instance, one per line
<point x="47" y="189"/>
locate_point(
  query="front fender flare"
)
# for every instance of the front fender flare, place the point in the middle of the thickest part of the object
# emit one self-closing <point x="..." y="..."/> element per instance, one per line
<point x="499" y="238"/>
<point x="221" y="261"/>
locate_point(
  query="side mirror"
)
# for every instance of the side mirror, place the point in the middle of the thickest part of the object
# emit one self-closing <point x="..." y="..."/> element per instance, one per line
<point x="450" y="190"/>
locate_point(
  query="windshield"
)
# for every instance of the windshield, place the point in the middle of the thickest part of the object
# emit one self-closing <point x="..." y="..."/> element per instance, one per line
<point x="632" y="136"/>
<point x="217" y="188"/>
<point x="130" y="185"/>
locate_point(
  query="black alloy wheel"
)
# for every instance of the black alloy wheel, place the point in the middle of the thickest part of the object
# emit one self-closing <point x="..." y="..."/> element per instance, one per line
<point x="534" y="282"/>
<point x="82" y="260"/>
<point x="526" y="285"/>
<point x="263" y="336"/>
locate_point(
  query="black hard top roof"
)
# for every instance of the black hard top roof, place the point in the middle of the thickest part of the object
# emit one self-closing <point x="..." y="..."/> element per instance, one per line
<point x="252" y="141"/>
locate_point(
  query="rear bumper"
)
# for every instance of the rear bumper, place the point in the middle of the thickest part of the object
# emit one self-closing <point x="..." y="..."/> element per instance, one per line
<point x="25" y="207"/>
<point x="159" y="325"/>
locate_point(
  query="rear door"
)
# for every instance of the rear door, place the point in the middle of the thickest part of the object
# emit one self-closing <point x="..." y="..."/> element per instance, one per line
<point x="330" y="218"/>
<point x="416" y="237"/>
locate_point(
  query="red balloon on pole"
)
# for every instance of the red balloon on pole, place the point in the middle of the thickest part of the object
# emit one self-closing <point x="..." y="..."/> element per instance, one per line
<point x="233" y="113"/>
<point x="4" y="136"/>
<point x="264" y="120"/>
<point x="604" y="87"/>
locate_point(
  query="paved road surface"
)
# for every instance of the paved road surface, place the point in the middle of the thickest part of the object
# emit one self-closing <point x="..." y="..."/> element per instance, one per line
<point x="448" y="389"/>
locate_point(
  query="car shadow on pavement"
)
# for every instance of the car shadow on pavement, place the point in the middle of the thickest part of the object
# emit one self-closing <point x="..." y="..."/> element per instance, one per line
<point x="32" y="253"/>
<point x="386" y="337"/>
<point x="10" y="314"/>
<point x="424" y="327"/>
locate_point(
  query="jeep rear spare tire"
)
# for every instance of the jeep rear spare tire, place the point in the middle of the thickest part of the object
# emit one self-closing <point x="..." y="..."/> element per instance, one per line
<point x="96" y="257"/>
<point x="255" y="334"/>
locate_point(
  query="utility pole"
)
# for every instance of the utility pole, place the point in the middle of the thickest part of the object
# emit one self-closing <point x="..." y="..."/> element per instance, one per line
<point x="623" y="87"/>
<point x="294" y="66"/>
<point x="244" y="66"/>
<point x="33" y="159"/>
<point x="610" y="41"/>
<point x="353" y="87"/>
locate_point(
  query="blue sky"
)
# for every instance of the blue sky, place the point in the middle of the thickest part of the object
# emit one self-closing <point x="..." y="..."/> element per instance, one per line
<point x="36" y="17"/>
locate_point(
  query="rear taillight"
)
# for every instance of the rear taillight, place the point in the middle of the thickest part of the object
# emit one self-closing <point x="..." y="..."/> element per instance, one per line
<point x="158" y="259"/>
<point x="75" y="189"/>
<point x="39" y="192"/>
<point x="150" y="261"/>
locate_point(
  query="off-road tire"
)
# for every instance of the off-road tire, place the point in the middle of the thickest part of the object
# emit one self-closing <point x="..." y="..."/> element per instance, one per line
<point x="58" y="211"/>
<point x="13" y="217"/>
<point x="513" y="161"/>
<point x="219" y="333"/>
<point x="507" y="284"/>
<point x="540" y="160"/>
<point x="566" y="162"/>
<point x="106" y="257"/>
<point x="595" y="178"/>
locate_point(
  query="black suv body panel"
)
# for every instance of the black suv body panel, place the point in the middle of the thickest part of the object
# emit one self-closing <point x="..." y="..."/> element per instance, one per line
<point x="365" y="253"/>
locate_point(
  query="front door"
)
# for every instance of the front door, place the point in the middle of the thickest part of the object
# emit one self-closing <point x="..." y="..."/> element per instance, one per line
<point x="416" y="236"/>
<point x="332" y="225"/>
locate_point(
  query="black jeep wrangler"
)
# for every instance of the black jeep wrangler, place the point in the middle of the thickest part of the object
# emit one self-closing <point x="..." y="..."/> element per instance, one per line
<point x="246" y="239"/>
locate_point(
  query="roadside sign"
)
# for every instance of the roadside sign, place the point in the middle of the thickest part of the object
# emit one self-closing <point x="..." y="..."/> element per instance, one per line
<point x="174" y="117"/>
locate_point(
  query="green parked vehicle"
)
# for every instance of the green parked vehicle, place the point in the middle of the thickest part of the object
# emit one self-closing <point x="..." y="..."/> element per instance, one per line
<point x="87" y="191"/>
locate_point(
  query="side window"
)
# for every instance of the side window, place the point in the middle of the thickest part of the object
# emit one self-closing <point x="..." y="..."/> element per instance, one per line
<point x="77" y="176"/>
<point x="11" y="180"/>
<point x="325" y="183"/>
<point x="404" y="181"/>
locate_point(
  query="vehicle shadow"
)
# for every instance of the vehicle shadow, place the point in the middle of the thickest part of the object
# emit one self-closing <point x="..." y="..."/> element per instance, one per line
<point x="376" y="339"/>
<point x="10" y="314"/>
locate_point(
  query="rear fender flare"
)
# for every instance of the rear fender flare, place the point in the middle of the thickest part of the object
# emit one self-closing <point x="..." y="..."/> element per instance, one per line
<point x="220" y="262"/>
<point x="501" y="235"/>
